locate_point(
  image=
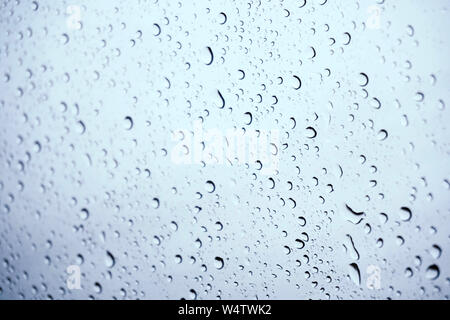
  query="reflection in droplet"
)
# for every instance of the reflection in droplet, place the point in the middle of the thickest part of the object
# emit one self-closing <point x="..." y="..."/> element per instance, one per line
<point x="382" y="135"/>
<point x="218" y="263"/>
<point x="110" y="261"/>
<point x="432" y="272"/>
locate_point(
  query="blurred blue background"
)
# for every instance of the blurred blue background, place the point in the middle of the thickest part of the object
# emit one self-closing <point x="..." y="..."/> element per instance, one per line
<point x="224" y="149"/>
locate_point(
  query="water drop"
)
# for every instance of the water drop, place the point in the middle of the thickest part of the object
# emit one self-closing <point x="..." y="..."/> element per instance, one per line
<point x="218" y="263"/>
<point x="110" y="261"/>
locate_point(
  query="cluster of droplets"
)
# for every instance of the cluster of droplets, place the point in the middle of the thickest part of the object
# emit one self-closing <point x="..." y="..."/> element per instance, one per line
<point x="350" y="201"/>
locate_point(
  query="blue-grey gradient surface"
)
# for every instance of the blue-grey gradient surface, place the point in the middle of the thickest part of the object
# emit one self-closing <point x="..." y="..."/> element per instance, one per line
<point x="259" y="149"/>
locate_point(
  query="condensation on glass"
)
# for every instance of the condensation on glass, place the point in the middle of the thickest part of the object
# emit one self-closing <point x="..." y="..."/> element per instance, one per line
<point x="259" y="149"/>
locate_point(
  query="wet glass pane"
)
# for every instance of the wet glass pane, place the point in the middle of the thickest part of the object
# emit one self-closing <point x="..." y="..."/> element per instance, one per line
<point x="259" y="149"/>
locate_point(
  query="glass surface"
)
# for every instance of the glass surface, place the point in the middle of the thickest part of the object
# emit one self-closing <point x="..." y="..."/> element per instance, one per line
<point x="224" y="149"/>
